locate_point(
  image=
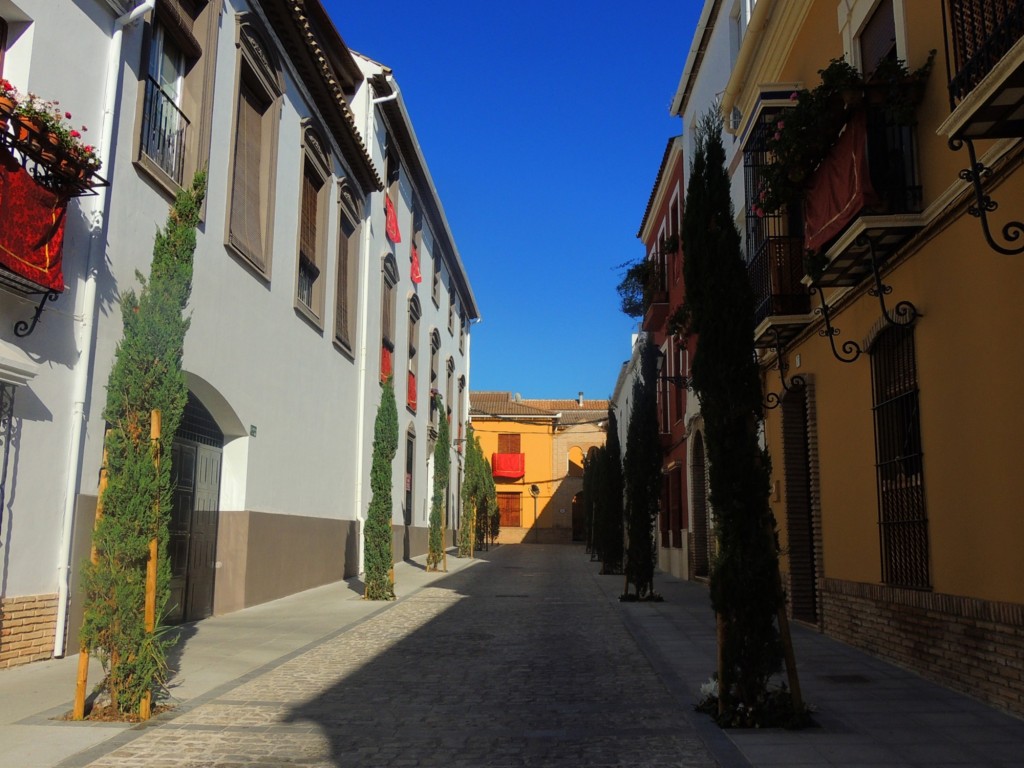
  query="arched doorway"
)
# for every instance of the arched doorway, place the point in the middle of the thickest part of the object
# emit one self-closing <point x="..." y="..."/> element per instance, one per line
<point x="196" y="456"/>
<point x="579" y="528"/>
<point x="701" y="559"/>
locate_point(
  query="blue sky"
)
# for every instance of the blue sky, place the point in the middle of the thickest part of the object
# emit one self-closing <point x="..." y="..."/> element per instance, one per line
<point x="543" y="124"/>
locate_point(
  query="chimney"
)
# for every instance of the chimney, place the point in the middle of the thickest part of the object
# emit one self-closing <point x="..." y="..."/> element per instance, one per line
<point x="580" y="401"/>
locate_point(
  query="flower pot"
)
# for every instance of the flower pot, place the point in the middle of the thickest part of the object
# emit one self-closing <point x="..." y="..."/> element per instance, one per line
<point x="7" y="105"/>
<point x="28" y="131"/>
<point x="48" y="148"/>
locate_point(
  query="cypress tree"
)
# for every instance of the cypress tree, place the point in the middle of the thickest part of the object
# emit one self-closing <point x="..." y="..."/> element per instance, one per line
<point x="377" y="533"/>
<point x="442" y="472"/>
<point x="146" y="376"/>
<point x="472" y="490"/>
<point x="719" y="308"/>
<point x="589" y="505"/>
<point x="612" y="525"/>
<point x="642" y="479"/>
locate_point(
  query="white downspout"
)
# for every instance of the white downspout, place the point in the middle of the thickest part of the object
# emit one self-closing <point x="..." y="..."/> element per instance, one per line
<point x="85" y="359"/>
<point x="361" y="345"/>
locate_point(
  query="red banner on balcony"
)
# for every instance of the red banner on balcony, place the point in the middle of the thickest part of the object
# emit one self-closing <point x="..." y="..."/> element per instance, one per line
<point x="840" y="188"/>
<point x="508" y="465"/>
<point x="31" y="226"/>
<point x="391" y="221"/>
<point x="410" y="398"/>
<point x="415" y="274"/>
<point x="385" y="363"/>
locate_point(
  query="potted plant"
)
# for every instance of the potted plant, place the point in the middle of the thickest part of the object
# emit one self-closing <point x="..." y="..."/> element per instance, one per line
<point x="45" y="133"/>
<point x="898" y="90"/>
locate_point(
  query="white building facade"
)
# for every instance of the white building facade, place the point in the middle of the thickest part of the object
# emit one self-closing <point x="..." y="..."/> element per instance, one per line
<point x="283" y="356"/>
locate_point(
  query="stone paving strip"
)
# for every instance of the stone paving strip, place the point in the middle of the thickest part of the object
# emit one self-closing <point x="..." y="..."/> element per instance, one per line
<point x="519" y="662"/>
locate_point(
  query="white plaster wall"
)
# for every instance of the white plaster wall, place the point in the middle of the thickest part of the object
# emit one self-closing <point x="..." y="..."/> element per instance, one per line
<point x="38" y="458"/>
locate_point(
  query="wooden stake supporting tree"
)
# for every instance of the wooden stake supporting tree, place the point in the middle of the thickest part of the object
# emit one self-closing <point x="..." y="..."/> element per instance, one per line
<point x="127" y="585"/>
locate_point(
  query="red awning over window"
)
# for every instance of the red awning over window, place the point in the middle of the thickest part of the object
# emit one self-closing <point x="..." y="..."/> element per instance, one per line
<point x="31" y="226"/>
<point x="840" y="188"/>
<point x="508" y="465"/>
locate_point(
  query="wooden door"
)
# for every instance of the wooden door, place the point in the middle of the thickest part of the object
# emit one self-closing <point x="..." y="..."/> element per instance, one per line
<point x="203" y="534"/>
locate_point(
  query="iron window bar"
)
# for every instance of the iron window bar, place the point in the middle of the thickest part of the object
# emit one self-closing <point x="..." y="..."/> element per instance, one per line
<point x="164" y="127"/>
<point x="773" y="399"/>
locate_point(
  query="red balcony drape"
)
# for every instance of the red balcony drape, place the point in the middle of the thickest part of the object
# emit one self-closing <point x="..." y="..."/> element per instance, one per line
<point x="508" y="465"/>
<point x="31" y="226"/>
<point x="840" y="188"/>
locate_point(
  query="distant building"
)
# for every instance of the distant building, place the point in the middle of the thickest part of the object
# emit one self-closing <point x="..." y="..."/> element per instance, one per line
<point x="536" y="449"/>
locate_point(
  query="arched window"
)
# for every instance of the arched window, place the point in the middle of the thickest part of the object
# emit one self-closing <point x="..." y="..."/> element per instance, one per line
<point x="389" y="279"/>
<point x="575" y="462"/>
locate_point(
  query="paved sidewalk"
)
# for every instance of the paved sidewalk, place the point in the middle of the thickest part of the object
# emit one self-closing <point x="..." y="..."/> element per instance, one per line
<point x="210" y="655"/>
<point x="523" y="657"/>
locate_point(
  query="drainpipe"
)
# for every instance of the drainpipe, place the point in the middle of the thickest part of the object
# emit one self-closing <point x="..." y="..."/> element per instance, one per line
<point x="85" y="358"/>
<point x="361" y="346"/>
<point x="756" y="25"/>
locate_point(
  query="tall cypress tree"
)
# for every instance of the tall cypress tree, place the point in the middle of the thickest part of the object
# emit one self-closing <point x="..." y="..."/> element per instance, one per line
<point x="442" y="472"/>
<point x="642" y="475"/>
<point x="377" y="533"/>
<point x="146" y="376"/>
<point x="611" y="526"/>
<point x="719" y="308"/>
<point x="471" y="490"/>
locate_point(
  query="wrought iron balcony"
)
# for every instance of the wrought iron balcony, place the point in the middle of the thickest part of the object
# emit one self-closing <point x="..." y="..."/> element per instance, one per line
<point x="775" y="272"/>
<point x="870" y="180"/>
<point x="656" y="293"/>
<point x="164" y="128"/>
<point x="985" y="62"/>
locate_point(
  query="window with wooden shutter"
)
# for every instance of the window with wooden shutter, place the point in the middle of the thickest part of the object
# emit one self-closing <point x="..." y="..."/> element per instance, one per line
<point x="510" y="509"/>
<point x="254" y="155"/>
<point x="313" y="197"/>
<point x="348" y="262"/>
<point x="509" y="443"/>
<point x="878" y="38"/>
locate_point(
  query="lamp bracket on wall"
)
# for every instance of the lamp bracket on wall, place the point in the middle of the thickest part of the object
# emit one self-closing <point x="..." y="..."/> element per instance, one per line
<point x="904" y="313"/>
<point x="23" y="328"/>
<point x="984" y="204"/>
<point x="850" y="349"/>
<point x="773" y="399"/>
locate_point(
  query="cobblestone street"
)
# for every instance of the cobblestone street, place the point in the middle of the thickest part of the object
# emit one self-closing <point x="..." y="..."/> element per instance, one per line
<point x="518" y="661"/>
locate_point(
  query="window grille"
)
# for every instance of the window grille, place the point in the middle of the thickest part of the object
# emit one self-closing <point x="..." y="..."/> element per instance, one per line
<point x="902" y="517"/>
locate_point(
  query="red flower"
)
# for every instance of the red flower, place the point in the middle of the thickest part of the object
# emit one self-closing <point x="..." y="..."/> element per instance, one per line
<point x="67" y="115"/>
<point x="75" y="134"/>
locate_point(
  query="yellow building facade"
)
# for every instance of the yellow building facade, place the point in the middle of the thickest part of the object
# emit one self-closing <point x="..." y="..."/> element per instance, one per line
<point x="536" y="449"/>
<point x="894" y="424"/>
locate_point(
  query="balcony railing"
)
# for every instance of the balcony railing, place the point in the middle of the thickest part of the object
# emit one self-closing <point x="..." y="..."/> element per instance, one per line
<point x="163" y="131"/>
<point x="979" y="34"/>
<point x="775" y="272"/>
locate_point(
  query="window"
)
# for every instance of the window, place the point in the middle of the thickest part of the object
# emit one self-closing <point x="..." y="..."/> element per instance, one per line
<point x="462" y="332"/>
<point x="389" y="279"/>
<point x="902" y="517"/>
<point x="435" y="285"/>
<point x="509" y="443"/>
<point x="348" y="267"/>
<point x="680" y="371"/>
<point x="254" y="155"/>
<point x="435" y="358"/>
<point x="410" y="465"/>
<point x="451" y="310"/>
<point x="414" y="334"/>
<point x="878" y="38"/>
<point x="175" y="99"/>
<point x="3" y="43"/>
<point x="450" y="388"/>
<point x="309" y="288"/>
<point x="461" y="412"/>
<point x="510" y="509"/>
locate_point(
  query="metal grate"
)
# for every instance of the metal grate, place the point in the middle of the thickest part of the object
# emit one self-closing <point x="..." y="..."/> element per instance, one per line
<point x="982" y="32"/>
<point x="902" y="517"/>
<point x="198" y="425"/>
<point x="774" y="240"/>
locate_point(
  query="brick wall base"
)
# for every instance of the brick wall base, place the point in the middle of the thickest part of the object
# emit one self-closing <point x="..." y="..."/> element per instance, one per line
<point x="27" y="626"/>
<point x="970" y="645"/>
